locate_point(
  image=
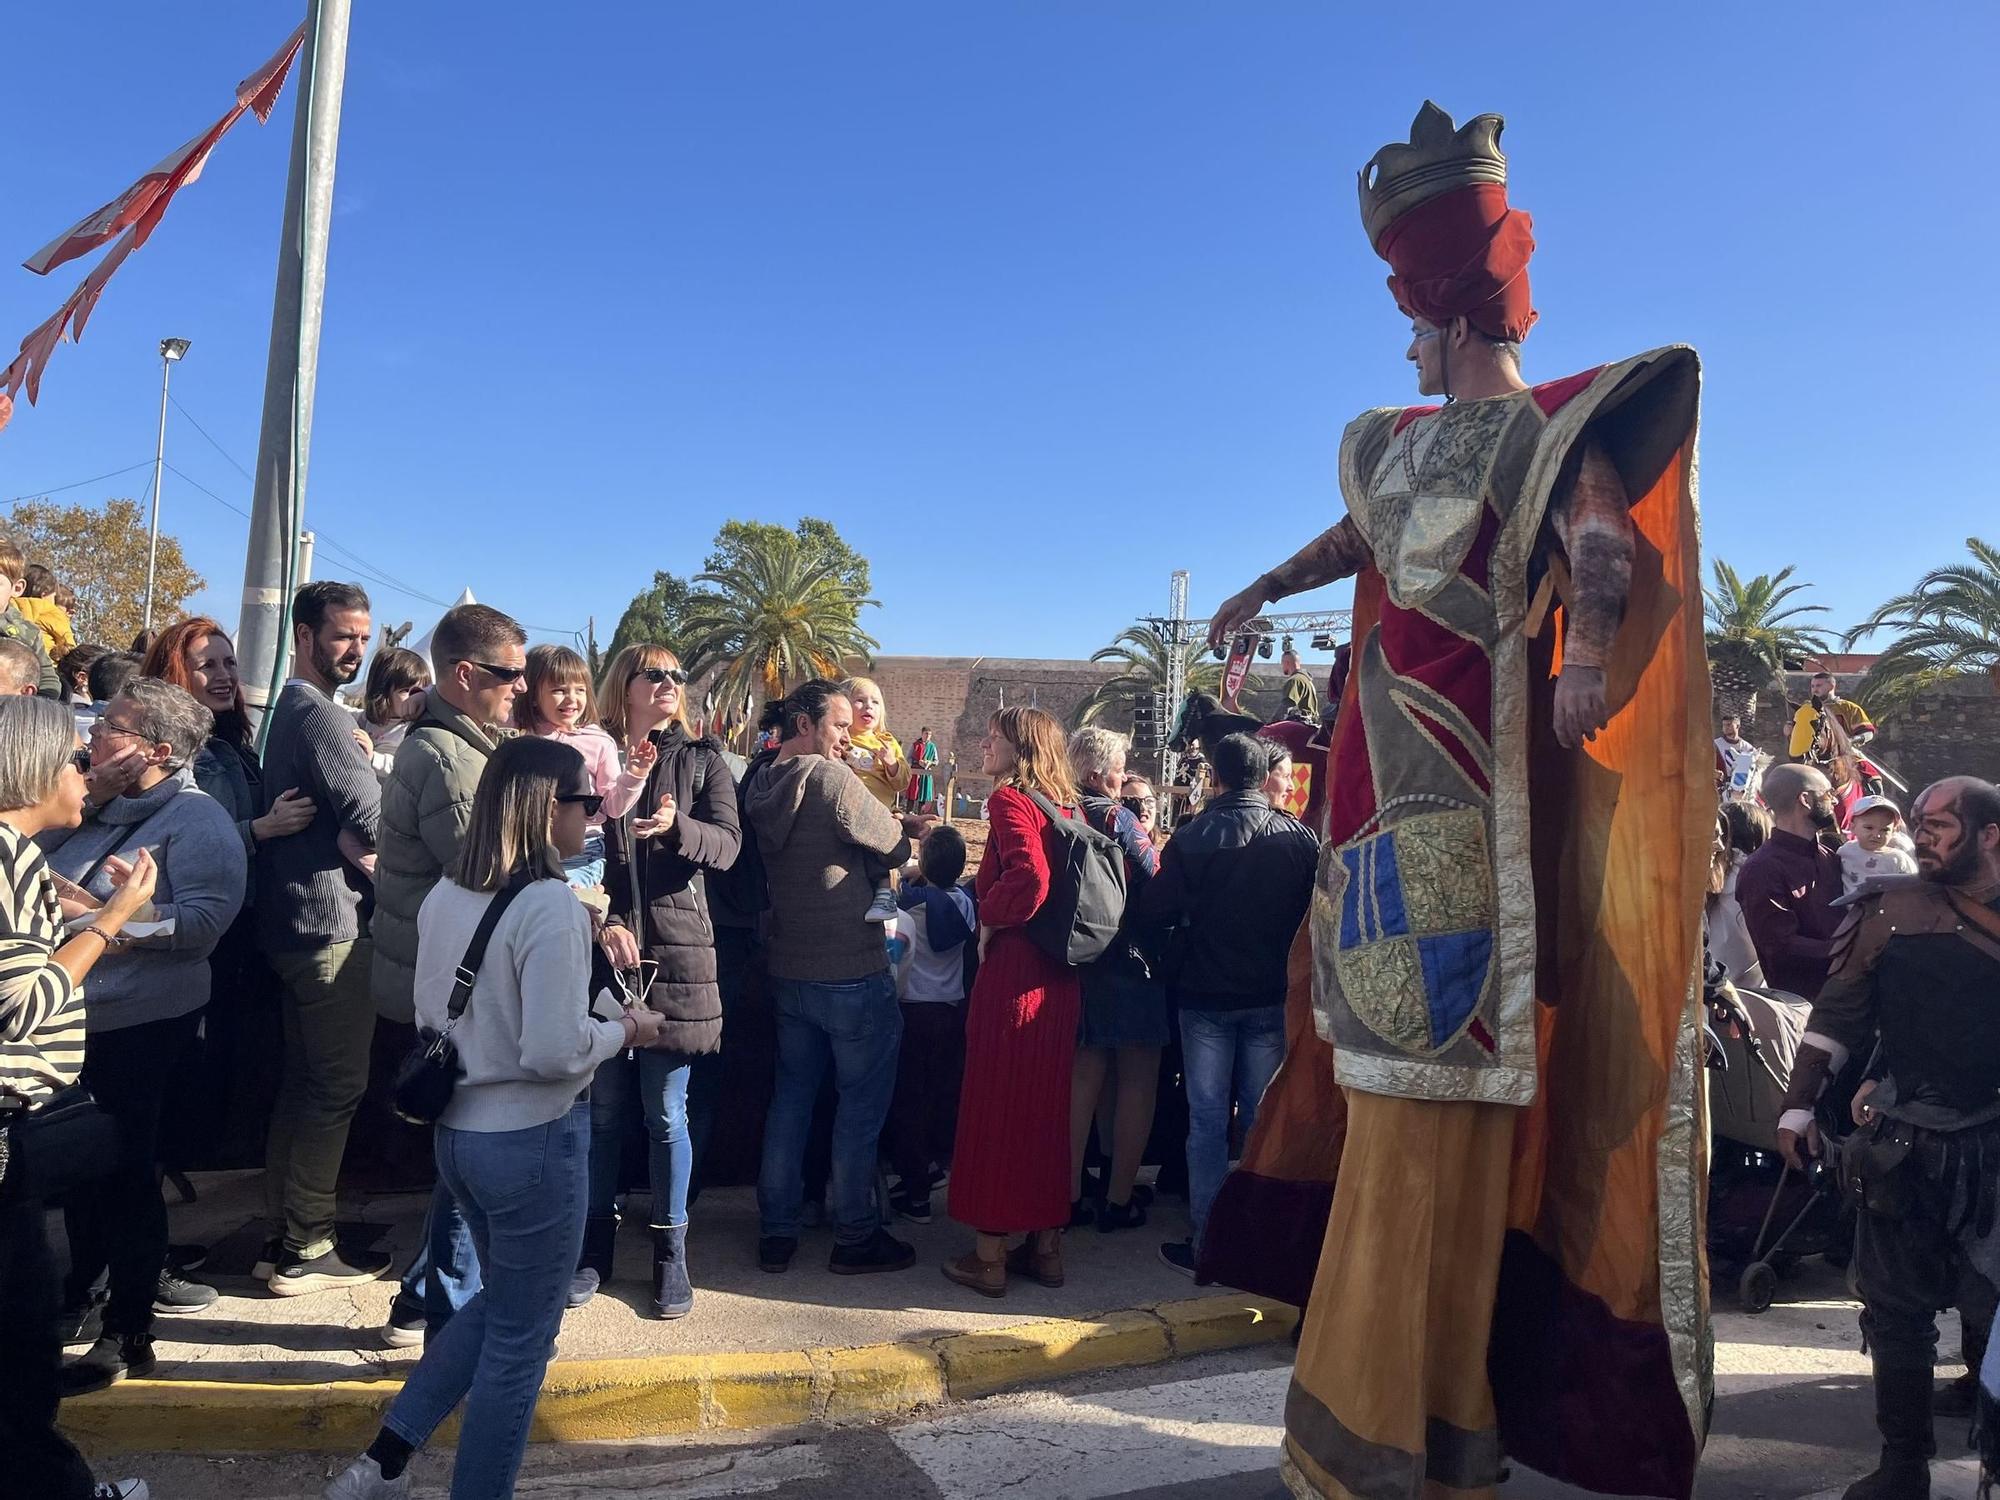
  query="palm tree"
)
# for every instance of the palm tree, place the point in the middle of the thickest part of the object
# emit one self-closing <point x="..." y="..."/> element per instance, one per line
<point x="1949" y="628"/>
<point x="1753" y="634"/>
<point x="1143" y="656"/>
<point x="774" y="617"/>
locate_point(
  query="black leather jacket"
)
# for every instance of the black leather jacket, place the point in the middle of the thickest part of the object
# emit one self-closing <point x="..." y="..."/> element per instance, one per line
<point x="1237" y="880"/>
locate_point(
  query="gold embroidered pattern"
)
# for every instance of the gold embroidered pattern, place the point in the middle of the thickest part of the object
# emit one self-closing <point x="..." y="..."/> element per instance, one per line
<point x="1447" y="871"/>
<point x="1384" y="985"/>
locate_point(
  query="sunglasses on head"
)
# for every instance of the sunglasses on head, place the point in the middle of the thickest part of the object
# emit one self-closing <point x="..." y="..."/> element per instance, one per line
<point x="590" y="800"/>
<point x="504" y="674"/>
<point x="658" y="675"/>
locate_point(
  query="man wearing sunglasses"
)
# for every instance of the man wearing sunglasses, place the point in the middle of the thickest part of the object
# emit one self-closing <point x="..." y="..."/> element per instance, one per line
<point x="480" y="661"/>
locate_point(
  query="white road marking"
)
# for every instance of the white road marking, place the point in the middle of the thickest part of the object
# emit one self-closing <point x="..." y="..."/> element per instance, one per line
<point x="1105" y="1443"/>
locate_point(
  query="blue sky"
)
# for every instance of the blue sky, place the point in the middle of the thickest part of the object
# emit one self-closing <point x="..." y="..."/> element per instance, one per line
<point x="1035" y="301"/>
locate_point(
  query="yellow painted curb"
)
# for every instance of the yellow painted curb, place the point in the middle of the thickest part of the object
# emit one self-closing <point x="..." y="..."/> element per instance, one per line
<point x="978" y="1364"/>
<point x="617" y="1400"/>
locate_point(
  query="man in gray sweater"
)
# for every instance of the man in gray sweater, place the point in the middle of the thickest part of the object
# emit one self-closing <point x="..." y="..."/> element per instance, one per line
<point x="309" y="897"/>
<point x="825" y="840"/>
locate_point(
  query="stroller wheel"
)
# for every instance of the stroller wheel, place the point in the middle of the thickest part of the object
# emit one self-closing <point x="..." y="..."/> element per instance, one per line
<point x="1758" y="1288"/>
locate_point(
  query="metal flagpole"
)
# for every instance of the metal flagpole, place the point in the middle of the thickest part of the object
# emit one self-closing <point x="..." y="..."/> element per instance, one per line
<point x="271" y="568"/>
<point x="170" y="350"/>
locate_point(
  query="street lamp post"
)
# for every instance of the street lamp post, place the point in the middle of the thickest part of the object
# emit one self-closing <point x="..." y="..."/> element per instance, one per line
<point x="170" y="350"/>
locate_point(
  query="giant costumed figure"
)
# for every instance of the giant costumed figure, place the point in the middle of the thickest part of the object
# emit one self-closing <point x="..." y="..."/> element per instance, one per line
<point x="1503" y="955"/>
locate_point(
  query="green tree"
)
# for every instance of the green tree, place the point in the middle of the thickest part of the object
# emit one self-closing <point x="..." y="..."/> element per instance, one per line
<point x="780" y="611"/>
<point x="659" y="614"/>
<point x="1948" y="627"/>
<point x="100" y="551"/>
<point x="1143" y="656"/>
<point x="1753" y="632"/>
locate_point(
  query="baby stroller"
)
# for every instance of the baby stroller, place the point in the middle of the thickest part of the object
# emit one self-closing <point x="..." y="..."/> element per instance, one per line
<point x="1763" y="1217"/>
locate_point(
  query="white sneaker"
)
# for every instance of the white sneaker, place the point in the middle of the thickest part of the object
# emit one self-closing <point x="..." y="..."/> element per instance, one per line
<point x="121" y="1489"/>
<point x="362" y="1480"/>
<point x="883" y="907"/>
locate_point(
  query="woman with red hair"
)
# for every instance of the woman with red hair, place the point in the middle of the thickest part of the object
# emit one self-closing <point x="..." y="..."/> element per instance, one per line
<point x="222" y="1117"/>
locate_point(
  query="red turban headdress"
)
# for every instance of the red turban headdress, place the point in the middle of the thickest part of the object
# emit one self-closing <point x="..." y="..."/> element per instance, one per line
<point x="1436" y="211"/>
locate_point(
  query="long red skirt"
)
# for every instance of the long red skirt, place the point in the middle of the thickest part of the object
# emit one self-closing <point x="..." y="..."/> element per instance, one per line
<point x="1010" y="1167"/>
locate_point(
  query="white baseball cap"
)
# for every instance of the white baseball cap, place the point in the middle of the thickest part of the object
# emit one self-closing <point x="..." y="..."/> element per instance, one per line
<point x="1874" y="804"/>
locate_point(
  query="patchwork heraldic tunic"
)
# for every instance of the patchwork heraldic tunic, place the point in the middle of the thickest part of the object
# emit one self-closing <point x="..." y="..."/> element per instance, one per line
<point x="1505" y="941"/>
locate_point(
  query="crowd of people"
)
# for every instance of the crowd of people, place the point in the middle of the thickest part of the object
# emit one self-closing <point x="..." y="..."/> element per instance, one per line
<point x="575" y="886"/>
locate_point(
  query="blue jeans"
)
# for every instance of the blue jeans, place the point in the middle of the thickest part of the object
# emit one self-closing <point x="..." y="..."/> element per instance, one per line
<point x="444" y="1273"/>
<point x="587" y="869"/>
<point x="1229" y="1057"/>
<point x="522" y="1195"/>
<point x="858" y="1028"/>
<point x="662" y="1082"/>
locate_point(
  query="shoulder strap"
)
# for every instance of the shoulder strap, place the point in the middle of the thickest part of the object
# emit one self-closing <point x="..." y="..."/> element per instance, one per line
<point x="475" y="951"/>
<point x="1984" y="918"/>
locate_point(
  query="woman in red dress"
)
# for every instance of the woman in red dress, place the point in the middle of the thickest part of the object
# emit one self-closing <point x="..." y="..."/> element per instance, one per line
<point x="1010" y="1168"/>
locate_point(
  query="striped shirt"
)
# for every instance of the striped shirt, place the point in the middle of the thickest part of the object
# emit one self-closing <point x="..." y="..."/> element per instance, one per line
<point x="41" y="1008"/>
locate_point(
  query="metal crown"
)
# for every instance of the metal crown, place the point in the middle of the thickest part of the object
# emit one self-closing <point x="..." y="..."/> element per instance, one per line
<point x="1440" y="156"/>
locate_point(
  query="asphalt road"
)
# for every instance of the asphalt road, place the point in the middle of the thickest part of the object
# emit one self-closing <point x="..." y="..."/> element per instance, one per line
<point x="1206" y="1428"/>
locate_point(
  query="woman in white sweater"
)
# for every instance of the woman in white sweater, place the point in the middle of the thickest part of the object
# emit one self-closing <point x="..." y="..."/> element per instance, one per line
<point x="514" y="1142"/>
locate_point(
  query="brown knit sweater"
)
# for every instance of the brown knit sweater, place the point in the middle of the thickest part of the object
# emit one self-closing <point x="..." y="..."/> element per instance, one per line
<point x="825" y="842"/>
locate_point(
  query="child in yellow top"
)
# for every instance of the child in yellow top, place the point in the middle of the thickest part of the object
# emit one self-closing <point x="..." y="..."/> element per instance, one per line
<point x="38" y="603"/>
<point x="880" y="763"/>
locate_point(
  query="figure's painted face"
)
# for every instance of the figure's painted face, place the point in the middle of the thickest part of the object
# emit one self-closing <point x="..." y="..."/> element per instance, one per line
<point x="1426" y="352"/>
<point x="1945" y="853"/>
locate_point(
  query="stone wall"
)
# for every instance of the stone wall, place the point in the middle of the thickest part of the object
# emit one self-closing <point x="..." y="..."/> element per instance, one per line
<point x="1949" y="731"/>
<point x="955" y="695"/>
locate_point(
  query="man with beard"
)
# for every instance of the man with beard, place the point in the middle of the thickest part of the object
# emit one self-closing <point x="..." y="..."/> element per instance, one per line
<point x="1788" y="887"/>
<point x="1917" y="972"/>
<point x="309" y="894"/>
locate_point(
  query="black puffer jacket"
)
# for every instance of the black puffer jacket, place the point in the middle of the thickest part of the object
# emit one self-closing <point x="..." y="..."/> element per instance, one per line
<point x="668" y="884"/>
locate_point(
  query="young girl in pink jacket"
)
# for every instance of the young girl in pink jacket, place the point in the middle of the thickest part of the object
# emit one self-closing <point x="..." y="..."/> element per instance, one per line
<point x="560" y="705"/>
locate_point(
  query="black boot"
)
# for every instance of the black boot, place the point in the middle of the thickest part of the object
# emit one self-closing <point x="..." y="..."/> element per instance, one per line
<point x="673" y="1293"/>
<point x="1903" y="1413"/>
<point x="593" y="1266"/>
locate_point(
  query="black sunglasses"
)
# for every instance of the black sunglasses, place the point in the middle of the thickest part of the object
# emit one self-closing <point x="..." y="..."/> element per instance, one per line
<point x="590" y="800"/>
<point x="658" y="675"/>
<point x="81" y="760"/>
<point x="505" y="674"/>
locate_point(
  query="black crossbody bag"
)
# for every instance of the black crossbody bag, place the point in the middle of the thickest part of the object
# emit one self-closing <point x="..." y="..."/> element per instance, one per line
<point x="54" y="1147"/>
<point x="431" y="1069"/>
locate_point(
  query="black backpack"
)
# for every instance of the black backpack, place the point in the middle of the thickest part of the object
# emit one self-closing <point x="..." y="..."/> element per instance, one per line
<point x="1086" y="900"/>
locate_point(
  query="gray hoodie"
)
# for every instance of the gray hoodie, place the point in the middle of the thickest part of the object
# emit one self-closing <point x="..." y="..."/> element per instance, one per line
<point x="826" y="842"/>
<point x="202" y="871"/>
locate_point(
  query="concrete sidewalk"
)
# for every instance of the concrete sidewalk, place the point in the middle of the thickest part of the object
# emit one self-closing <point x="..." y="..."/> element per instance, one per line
<point x="256" y="1371"/>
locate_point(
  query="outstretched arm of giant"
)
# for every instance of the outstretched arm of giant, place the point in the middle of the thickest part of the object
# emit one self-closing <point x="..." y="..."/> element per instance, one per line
<point x="1594" y="521"/>
<point x="1338" y="552"/>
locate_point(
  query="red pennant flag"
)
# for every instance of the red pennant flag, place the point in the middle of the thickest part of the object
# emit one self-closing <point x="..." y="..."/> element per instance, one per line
<point x="35" y="351"/>
<point x="148" y="197"/>
<point x="134" y="213"/>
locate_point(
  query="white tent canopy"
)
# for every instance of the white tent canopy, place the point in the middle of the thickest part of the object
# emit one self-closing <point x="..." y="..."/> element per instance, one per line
<point x="422" y="644"/>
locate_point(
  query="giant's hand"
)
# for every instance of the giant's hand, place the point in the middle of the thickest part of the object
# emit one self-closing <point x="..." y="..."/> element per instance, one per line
<point x="1237" y="610"/>
<point x="1580" y="709"/>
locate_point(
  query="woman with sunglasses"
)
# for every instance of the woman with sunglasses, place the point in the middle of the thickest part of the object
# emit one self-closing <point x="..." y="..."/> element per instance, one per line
<point x="682" y="827"/>
<point x="42" y="971"/>
<point x="513" y="1144"/>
